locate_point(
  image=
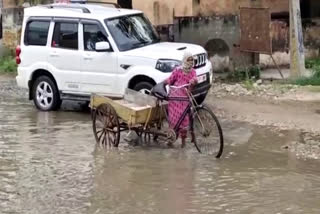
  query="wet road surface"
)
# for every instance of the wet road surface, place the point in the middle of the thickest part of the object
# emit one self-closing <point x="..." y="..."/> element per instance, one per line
<point x="49" y="163"/>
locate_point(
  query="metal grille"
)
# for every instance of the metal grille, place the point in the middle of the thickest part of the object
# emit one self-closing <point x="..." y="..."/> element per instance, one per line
<point x="200" y="60"/>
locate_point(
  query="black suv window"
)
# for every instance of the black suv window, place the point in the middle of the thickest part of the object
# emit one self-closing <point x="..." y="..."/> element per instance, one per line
<point x="37" y="33"/>
<point x="65" y="35"/>
<point x="91" y="35"/>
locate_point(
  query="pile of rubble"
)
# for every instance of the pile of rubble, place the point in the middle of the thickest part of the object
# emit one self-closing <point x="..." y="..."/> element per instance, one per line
<point x="308" y="149"/>
<point x="9" y="88"/>
<point x="273" y="91"/>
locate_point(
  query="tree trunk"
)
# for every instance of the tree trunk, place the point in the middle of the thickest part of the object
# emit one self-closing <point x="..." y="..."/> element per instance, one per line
<point x="297" y="57"/>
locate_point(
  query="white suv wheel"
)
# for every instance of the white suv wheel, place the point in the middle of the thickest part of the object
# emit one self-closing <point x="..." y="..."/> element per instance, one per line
<point x="44" y="95"/>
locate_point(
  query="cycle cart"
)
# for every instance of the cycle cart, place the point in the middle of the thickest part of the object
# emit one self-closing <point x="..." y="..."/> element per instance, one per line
<point x="146" y="115"/>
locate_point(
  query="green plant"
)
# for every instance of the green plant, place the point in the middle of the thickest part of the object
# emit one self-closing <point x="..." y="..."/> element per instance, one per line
<point x="8" y="65"/>
<point x="255" y="72"/>
<point x="248" y="84"/>
<point x="312" y="63"/>
<point x="244" y="74"/>
<point x="314" y="79"/>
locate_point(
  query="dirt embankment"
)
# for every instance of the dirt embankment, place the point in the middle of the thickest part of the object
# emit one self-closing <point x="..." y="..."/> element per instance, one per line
<point x="9" y="88"/>
<point x="286" y="107"/>
<point x="280" y="107"/>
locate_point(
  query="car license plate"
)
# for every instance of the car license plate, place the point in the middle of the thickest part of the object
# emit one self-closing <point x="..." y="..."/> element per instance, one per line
<point x="202" y="78"/>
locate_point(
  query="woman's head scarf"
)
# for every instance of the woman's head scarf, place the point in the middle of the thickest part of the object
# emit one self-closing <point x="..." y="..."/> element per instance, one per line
<point x="187" y="65"/>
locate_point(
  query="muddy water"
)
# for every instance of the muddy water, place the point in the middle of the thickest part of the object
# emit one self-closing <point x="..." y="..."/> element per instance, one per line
<point x="49" y="164"/>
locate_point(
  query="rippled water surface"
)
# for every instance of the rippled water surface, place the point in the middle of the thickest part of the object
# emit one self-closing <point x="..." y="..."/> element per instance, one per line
<point x="49" y="164"/>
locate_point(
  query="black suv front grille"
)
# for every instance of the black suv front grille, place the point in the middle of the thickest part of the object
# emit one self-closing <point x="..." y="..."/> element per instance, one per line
<point x="200" y="60"/>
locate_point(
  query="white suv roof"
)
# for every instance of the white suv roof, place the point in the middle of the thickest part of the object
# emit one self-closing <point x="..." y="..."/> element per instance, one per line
<point x="78" y="10"/>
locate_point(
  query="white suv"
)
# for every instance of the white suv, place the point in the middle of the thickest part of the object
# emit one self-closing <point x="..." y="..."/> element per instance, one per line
<point x="69" y="51"/>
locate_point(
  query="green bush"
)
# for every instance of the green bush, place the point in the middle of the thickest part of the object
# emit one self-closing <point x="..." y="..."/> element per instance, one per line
<point x="312" y="63"/>
<point x="314" y="79"/>
<point x="8" y="65"/>
<point x="244" y="74"/>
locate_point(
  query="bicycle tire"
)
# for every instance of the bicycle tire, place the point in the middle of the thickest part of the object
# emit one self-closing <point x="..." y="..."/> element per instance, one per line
<point x="207" y="142"/>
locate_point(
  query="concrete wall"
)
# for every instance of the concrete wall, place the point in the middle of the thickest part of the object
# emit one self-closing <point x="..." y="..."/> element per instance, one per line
<point x="9" y="3"/>
<point x="280" y="41"/>
<point x="217" y="29"/>
<point x="219" y="35"/>
<point x="159" y="12"/>
<point x="12" y="22"/>
<point x="227" y="7"/>
<point x="162" y="11"/>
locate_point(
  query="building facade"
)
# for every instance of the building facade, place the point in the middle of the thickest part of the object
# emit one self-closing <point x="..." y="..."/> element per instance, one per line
<point x="214" y="24"/>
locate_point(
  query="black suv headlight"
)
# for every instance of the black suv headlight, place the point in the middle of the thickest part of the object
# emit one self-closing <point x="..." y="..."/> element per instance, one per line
<point x="167" y="65"/>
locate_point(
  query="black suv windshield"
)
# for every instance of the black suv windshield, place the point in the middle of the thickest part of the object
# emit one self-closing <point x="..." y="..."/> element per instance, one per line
<point x="132" y="31"/>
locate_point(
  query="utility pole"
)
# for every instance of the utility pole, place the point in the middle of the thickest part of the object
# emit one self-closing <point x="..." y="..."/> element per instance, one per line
<point x="297" y="57"/>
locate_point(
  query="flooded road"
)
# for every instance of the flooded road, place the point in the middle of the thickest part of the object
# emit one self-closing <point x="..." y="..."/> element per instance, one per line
<point x="49" y="163"/>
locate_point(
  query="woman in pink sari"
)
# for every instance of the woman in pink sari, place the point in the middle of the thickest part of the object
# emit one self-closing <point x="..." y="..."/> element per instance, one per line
<point x="182" y="75"/>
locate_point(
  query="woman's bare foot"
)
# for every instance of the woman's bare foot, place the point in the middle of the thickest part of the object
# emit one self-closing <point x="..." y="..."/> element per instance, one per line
<point x="170" y="144"/>
<point x="193" y="138"/>
<point x="183" y="142"/>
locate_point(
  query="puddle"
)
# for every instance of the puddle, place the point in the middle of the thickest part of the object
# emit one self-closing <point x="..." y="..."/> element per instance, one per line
<point x="49" y="163"/>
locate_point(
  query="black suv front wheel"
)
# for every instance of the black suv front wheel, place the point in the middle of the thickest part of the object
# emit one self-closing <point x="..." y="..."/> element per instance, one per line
<point x="46" y="96"/>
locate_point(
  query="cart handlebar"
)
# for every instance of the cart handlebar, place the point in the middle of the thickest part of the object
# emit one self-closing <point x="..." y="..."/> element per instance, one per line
<point x="181" y="86"/>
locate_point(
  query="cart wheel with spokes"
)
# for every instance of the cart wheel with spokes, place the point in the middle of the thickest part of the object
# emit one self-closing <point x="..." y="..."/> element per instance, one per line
<point x="147" y="138"/>
<point x="106" y="126"/>
<point x="144" y="137"/>
<point x="207" y="132"/>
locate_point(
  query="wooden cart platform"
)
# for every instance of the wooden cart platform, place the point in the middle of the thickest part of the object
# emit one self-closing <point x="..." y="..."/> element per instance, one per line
<point x="135" y="107"/>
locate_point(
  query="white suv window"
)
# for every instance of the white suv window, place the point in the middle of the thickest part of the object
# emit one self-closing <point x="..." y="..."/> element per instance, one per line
<point x="65" y="35"/>
<point x="37" y="33"/>
<point x="131" y="32"/>
<point x="91" y="35"/>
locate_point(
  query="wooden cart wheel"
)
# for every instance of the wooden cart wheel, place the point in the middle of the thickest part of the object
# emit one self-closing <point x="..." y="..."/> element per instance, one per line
<point x="147" y="138"/>
<point x="139" y="133"/>
<point x="106" y="126"/>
